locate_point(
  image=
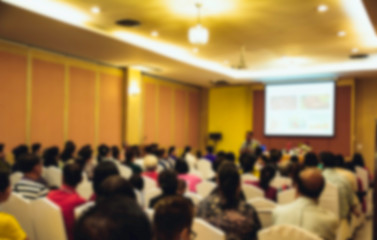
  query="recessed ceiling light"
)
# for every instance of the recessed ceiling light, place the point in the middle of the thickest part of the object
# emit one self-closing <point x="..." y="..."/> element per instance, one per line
<point x="95" y="10"/>
<point x="342" y="34"/>
<point x="195" y="50"/>
<point x="226" y="62"/>
<point x="355" y="50"/>
<point x="322" y="8"/>
<point x="154" y="34"/>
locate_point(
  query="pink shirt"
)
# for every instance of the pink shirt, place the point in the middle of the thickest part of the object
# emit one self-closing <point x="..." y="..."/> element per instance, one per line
<point x="152" y="175"/>
<point x="191" y="181"/>
<point x="67" y="199"/>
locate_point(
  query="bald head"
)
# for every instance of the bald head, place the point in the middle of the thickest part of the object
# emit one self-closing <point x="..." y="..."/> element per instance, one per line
<point x="310" y="183"/>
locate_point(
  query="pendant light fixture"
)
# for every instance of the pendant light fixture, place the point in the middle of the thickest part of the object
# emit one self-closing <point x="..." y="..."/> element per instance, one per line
<point x="198" y="34"/>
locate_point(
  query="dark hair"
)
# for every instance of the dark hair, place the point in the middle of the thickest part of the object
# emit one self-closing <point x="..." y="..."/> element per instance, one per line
<point x="115" y="152"/>
<point x="137" y="182"/>
<point x="311" y="192"/>
<point x="172" y="215"/>
<point x="209" y="149"/>
<point x="358" y="160"/>
<point x="85" y="152"/>
<point x="171" y="150"/>
<point x="275" y="156"/>
<point x="294" y="159"/>
<point x="160" y="153"/>
<point x="229" y="181"/>
<point x="230" y="157"/>
<point x="328" y="159"/>
<point x="4" y="181"/>
<point x="130" y="155"/>
<point x="102" y="171"/>
<point x="27" y="162"/>
<point x="181" y="166"/>
<point x="115" y="218"/>
<point x="258" y="151"/>
<point x="266" y="176"/>
<point x="50" y="156"/>
<point x="68" y="151"/>
<point x="311" y="160"/>
<point x="72" y="174"/>
<point x="340" y="161"/>
<point x="199" y="154"/>
<point x="168" y="182"/>
<point x="247" y="162"/>
<point x="115" y="185"/>
<point x="186" y="150"/>
<point x="219" y="160"/>
<point x="103" y="151"/>
<point x="35" y="147"/>
<point x="1" y="147"/>
<point x="19" y="151"/>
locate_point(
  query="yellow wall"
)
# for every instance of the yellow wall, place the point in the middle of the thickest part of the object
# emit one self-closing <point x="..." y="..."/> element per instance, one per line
<point x="366" y="117"/>
<point x="134" y="108"/>
<point x="230" y="113"/>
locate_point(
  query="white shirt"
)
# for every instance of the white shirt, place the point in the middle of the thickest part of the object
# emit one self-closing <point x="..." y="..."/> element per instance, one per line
<point x="307" y="214"/>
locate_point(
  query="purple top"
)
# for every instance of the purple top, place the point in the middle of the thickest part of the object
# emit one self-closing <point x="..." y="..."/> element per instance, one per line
<point x="210" y="157"/>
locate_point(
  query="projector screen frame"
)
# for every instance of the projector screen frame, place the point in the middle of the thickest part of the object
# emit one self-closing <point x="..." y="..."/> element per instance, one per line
<point x="333" y="81"/>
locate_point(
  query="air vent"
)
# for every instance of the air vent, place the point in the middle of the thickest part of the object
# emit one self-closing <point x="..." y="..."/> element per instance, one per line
<point x="128" y="22"/>
<point x="220" y="82"/>
<point x="359" y="56"/>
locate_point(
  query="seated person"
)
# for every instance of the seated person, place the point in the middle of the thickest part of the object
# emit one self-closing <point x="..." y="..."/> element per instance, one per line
<point x="68" y="153"/>
<point x="66" y="197"/>
<point x="17" y="153"/>
<point x="225" y="208"/>
<point x="103" y="153"/>
<point x="9" y="227"/>
<point x="115" y="218"/>
<point x="150" y="165"/>
<point x="4" y="165"/>
<point x="311" y="160"/>
<point x="130" y="161"/>
<point x="101" y="172"/>
<point x="50" y="157"/>
<point x="173" y="219"/>
<point x="168" y="182"/>
<point x="115" y="186"/>
<point x="36" y="149"/>
<point x="210" y="156"/>
<point x="182" y="187"/>
<point x="85" y="160"/>
<point x="267" y="175"/>
<point x="247" y="164"/>
<point x="182" y="168"/>
<point x="163" y="160"/>
<point x="305" y="211"/>
<point x="31" y="186"/>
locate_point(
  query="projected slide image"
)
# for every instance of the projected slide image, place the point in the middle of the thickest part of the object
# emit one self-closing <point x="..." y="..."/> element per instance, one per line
<point x="284" y="103"/>
<point x="320" y="101"/>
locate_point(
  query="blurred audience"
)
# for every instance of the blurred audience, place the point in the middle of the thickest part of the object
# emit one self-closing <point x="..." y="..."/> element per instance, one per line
<point x="182" y="168"/>
<point x="168" y="182"/>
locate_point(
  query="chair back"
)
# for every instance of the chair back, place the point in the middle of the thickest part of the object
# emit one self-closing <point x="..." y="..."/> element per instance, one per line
<point x="80" y="210"/>
<point x="279" y="182"/>
<point x="19" y="207"/>
<point x="53" y="176"/>
<point x="363" y="175"/>
<point x="85" y="188"/>
<point x="124" y="171"/>
<point x="47" y="220"/>
<point x="252" y="192"/>
<point x="286" y="232"/>
<point x="204" y="188"/>
<point x="329" y="198"/>
<point x="205" y="168"/>
<point x="195" y="198"/>
<point x="15" y="177"/>
<point x="249" y="178"/>
<point x="287" y="196"/>
<point x="205" y="231"/>
<point x="151" y="193"/>
<point x="149" y="183"/>
<point x="264" y="208"/>
<point x="150" y="213"/>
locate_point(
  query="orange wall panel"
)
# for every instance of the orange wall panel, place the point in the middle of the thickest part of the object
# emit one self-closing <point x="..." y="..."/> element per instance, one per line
<point x="47" y="103"/>
<point x="180" y="118"/>
<point x="13" y="70"/>
<point x="193" y="121"/>
<point x="81" y="123"/>
<point x="110" y="127"/>
<point x="150" y="111"/>
<point x="165" y="116"/>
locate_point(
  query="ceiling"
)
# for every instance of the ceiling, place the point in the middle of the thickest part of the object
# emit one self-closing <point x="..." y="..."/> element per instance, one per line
<point x="288" y="39"/>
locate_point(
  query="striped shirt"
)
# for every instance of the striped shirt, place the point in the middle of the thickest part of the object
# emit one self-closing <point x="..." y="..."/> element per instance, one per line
<point x="30" y="189"/>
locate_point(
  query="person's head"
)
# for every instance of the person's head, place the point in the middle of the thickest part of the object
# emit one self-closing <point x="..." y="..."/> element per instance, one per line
<point x="173" y="218"/>
<point x="328" y="159"/>
<point x="181" y="166"/>
<point x="230" y="157"/>
<point x="68" y="151"/>
<point x="275" y="156"/>
<point x="198" y="154"/>
<point x="115" y="218"/>
<point x="72" y="174"/>
<point x="266" y="176"/>
<point x="5" y="189"/>
<point x="115" y="152"/>
<point x="186" y="150"/>
<point x="258" y="151"/>
<point x="50" y="156"/>
<point x="182" y="187"/>
<point x="150" y="163"/>
<point x="358" y="160"/>
<point x="311" y="160"/>
<point x="160" y="153"/>
<point x="115" y="185"/>
<point x="36" y="148"/>
<point x="1" y="148"/>
<point x="168" y="182"/>
<point x="310" y="183"/>
<point x="102" y="171"/>
<point x="19" y="151"/>
<point x="340" y="163"/>
<point x="209" y="149"/>
<point x="30" y="164"/>
<point x="249" y="136"/>
<point x="103" y="150"/>
<point x="294" y="159"/>
<point x="130" y="157"/>
<point x="171" y="151"/>
<point x="229" y="184"/>
<point x="247" y="162"/>
<point x="86" y="152"/>
<point x="137" y="182"/>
